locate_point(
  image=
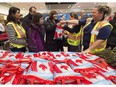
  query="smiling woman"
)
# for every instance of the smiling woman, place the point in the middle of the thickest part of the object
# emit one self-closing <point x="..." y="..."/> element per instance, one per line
<point x="96" y="30"/>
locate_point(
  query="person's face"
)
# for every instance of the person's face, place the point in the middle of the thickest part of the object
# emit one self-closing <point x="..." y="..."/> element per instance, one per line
<point x="96" y="14"/>
<point x="41" y="20"/>
<point x="55" y="16"/>
<point x="33" y="11"/>
<point x="71" y="18"/>
<point x="17" y="15"/>
<point x="81" y="13"/>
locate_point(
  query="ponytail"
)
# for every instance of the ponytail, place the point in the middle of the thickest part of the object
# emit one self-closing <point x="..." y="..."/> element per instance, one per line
<point x="106" y="10"/>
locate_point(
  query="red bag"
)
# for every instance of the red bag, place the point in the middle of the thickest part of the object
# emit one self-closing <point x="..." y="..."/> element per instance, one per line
<point x="63" y="74"/>
<point x="39" y="73"/>
<point x="44" y="55"/>
<point x="58" y="33"/>
<point x="3" y="37"/>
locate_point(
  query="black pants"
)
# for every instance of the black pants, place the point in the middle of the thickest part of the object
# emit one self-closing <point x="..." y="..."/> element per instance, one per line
<point x="73" y="48"/>
<point x="60" y="45"/>
<point x="15" y="49"/>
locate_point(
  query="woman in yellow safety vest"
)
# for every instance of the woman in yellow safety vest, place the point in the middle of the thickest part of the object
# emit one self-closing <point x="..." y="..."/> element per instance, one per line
<point x="96" y="30"/>
<point x="73" y="33"/>
<point x="15" y="31"/>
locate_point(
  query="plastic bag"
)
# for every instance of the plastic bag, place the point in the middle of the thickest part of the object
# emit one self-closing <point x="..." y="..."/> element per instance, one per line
<point x="58" y="33"/>
<point x="39" y="73"/>
<point x="63" y="74"/>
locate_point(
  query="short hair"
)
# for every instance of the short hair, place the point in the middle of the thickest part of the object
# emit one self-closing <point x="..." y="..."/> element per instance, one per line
<point x="10" y="17"/>
<point x="30" y="9"/>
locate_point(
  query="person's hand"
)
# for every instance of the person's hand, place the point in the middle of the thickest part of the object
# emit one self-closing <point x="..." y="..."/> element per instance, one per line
<point x="87" y="51"/>
<point x="65" y="32"/>
<point x="58" y="24"/>
<point x="62" y="25"/>
<point x="63" y="21"/>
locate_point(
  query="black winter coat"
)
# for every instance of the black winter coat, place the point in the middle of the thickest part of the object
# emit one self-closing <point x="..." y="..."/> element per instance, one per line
<point x="26" y="22"/>
<point x="112" y="38"/>
<point x="50" y="27"/>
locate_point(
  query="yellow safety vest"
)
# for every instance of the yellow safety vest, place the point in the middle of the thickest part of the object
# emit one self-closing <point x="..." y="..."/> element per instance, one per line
<point x="20" y="33"/>
<point x="74" y="38"/>
<point x="96" y="29"/>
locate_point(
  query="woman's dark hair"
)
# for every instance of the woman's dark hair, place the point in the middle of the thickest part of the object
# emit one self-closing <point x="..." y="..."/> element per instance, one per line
<point x="106" y="10"/>
<point x="36" y="17"/>
<point x="52" y="13"/>
<point x="74" y="14"/>
<point x="10" y="17"/>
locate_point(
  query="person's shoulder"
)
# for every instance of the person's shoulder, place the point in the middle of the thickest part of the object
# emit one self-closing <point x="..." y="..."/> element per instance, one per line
<point x="105" y="23"/>
<point x="0" y="23"/>
<point x="26" y="17"/>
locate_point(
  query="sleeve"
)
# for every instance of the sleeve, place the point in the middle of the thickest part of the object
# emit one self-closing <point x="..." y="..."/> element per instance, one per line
<point x="31" y="40"/>
<point x="12" y="36"/>
<point x="104" y="33"/>
<point x="72" y="30"/>
<point x="2" y="28"/>
<point x="82" y="22"/>
<point x="49" y="27"/>
<point x="25" y="24"/>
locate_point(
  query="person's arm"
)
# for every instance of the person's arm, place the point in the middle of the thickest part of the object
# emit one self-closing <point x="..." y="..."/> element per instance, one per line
<point x="12" y="36"/>
<point x="73" y="22"/>
<point x="25" y="24"/>
<point x="48" y="26"/>
<point x="72" y="30"/>
<point x="77" y="22"/>
<point x="93" y="46"/>
<point x="70" y="22"/>
<point x="2" y="28"/>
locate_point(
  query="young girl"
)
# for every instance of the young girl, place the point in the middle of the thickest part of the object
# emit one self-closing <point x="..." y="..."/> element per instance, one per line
<point x="36" y="33"/>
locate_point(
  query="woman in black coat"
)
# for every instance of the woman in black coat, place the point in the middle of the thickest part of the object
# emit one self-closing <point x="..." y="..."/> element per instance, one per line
<point x="50" y="26"/>
<point x="112" y="39"/>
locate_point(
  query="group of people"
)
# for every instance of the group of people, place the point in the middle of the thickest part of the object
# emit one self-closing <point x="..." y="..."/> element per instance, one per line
<point x="32" y="32"/>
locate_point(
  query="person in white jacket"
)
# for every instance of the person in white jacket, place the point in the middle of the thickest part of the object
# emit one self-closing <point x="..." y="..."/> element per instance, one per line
<point x="2" y="29"/>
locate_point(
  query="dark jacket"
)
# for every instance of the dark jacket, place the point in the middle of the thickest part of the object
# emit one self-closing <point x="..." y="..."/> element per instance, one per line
<point x="112" y="37"/>
<point x="26" y="22"/>
<point x="75" y="29"/>
<point x="50" y="27"/>
<point x="36" y="38"/>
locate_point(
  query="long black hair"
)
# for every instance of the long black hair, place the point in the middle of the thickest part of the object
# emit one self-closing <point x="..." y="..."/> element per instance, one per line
<point x="12" y="11"/>
<point x="51" y="14"/>
<point x="36" y="17"/>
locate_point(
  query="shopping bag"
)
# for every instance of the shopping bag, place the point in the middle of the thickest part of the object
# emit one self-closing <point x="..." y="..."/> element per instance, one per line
<point x="39" y="73"/>
<point x="44" y="55"/>
<point x="3" y="37"/>
<point x="58" y="33"/>
<point x="63" y="74"/>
